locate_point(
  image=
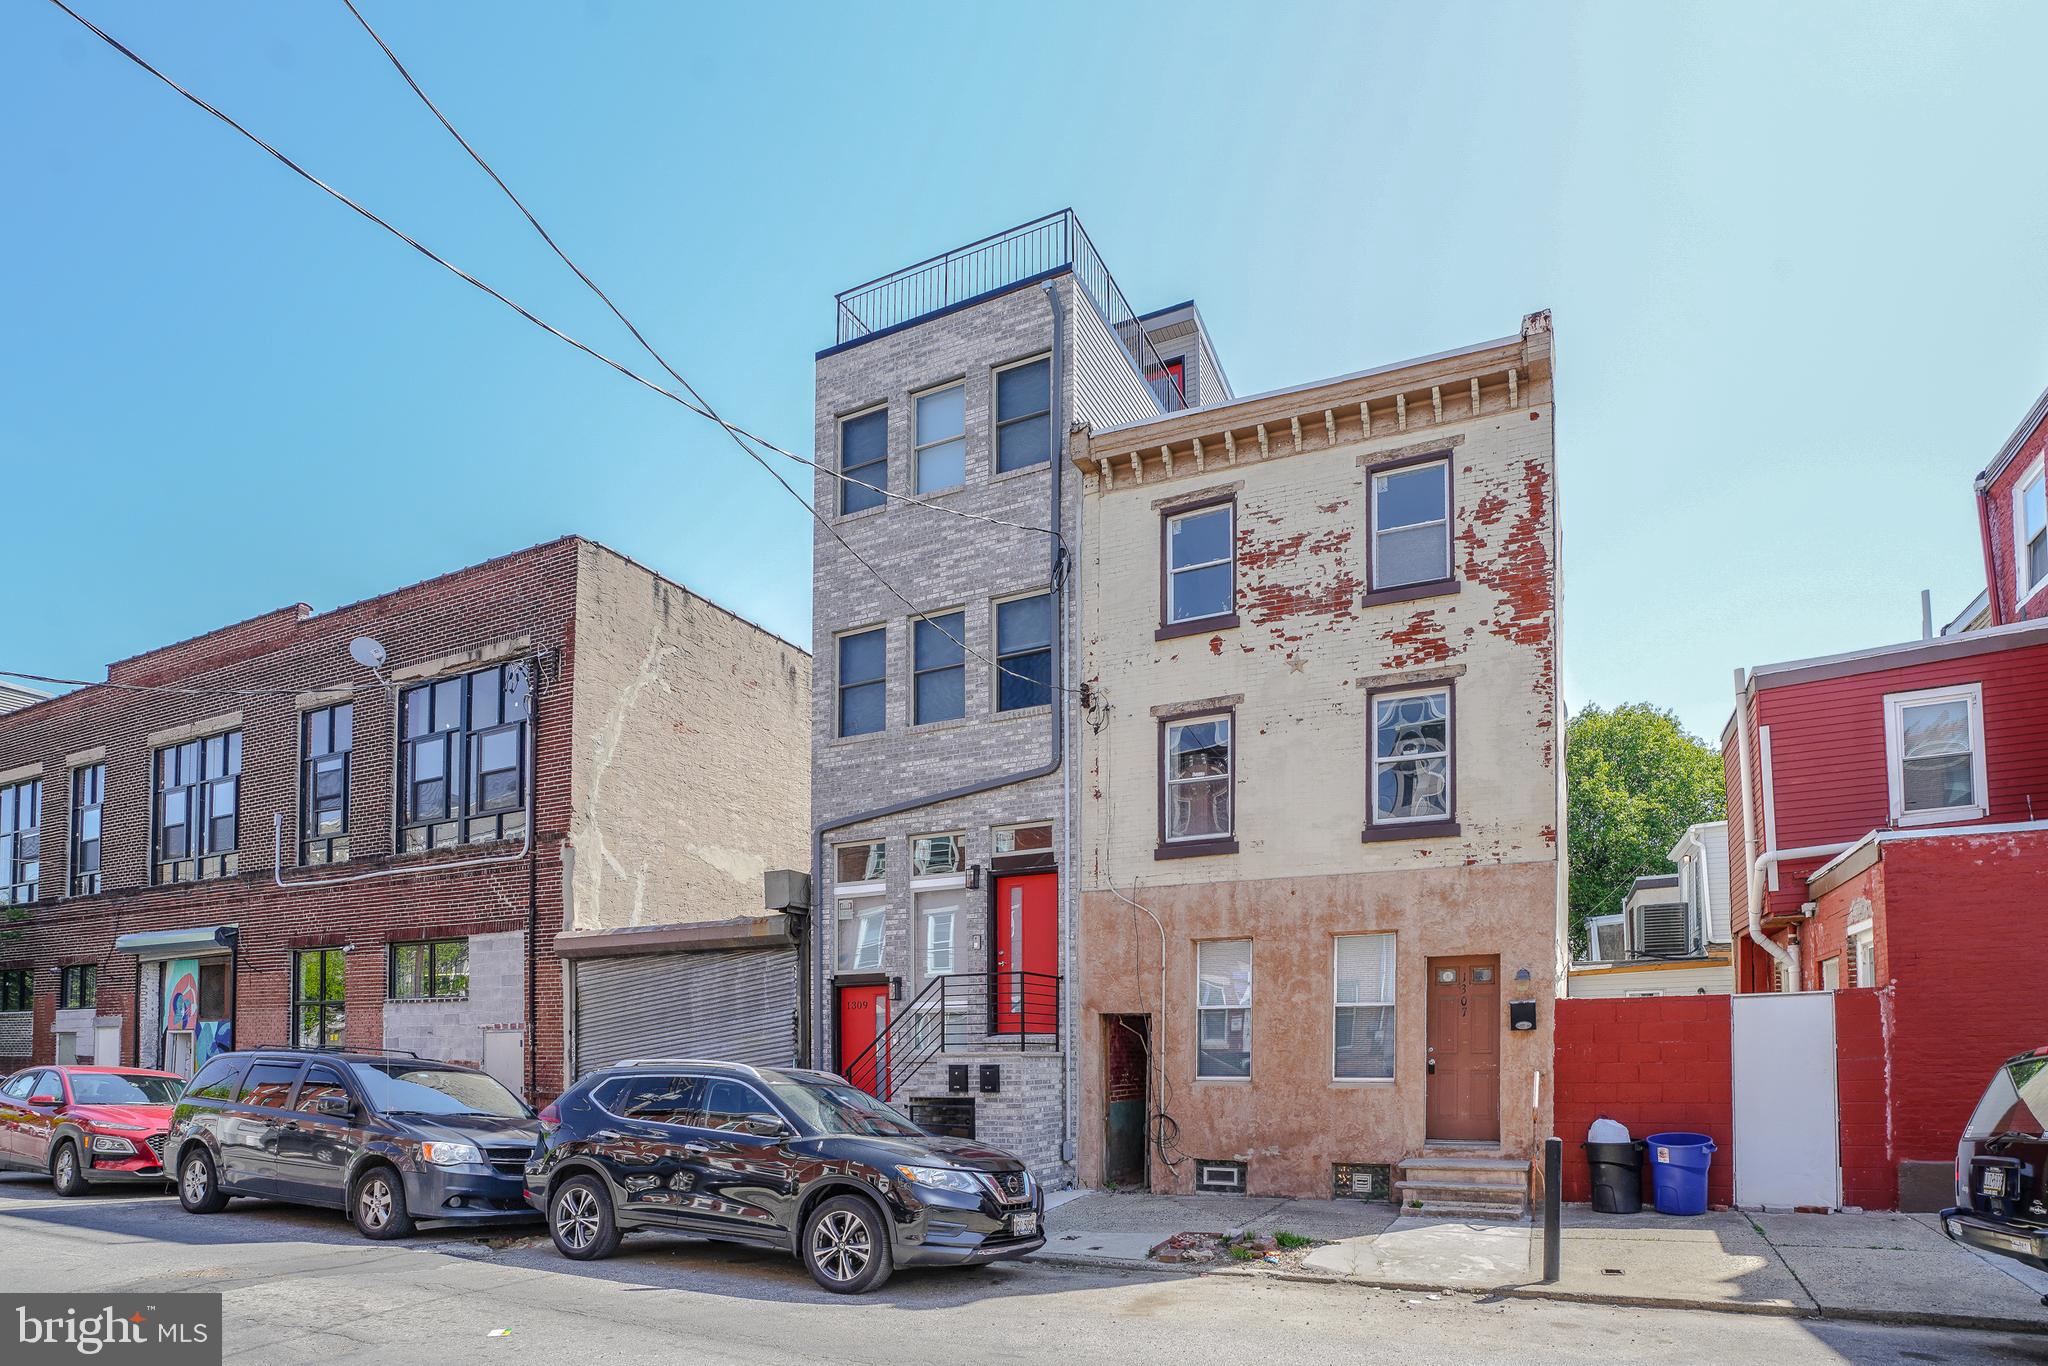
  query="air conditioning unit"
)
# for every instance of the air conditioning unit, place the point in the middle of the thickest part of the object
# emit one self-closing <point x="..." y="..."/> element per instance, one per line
<point x="1663" y="931"/>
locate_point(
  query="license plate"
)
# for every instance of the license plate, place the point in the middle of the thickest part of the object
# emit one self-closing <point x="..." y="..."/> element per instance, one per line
<point x="1023" y="1225"/>
<point x="1994" y="1180"/>
<point x="2011" y="1243"/>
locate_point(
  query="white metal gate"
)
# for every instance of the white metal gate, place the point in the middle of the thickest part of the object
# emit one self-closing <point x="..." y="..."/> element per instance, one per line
<point x="1786" y="1124"/>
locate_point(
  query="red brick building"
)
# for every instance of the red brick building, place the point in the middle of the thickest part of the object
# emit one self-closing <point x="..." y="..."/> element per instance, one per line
<point x="2012" y="521"/>
<point x="251" y="837"/>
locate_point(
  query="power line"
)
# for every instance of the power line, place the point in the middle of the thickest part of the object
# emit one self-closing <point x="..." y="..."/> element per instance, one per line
<point x="192" y="690"/>
<point x="740" y="436"/>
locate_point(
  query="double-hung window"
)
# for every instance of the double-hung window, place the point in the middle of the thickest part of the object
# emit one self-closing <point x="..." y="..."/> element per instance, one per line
<point x="465" y="759"/>
<point x="434" y="970"/>
<point x="863" y="681"/>
<point x="197" y="785"/>
<point x="1024" y="652"/>
<point x="1223" y="1008"/>
<point x="319" y="998"/>
<point x="1934" y="748"/>
<point x="1196" y="795"/>
<point x="1201" y="569"/>
<point x="864" y="461"/>
<point x="2030" y="524"/>
<point x="1023" y="416"/>
<point x="939" y="668"/>
<point x="940" y="458"/>
<point x="78" y="987"/>
<point x="1364" y="1024"/>
<point x="88" y="799"/>
<point x="938" y="915"/>
<point x="21" y="859"/>
<point x="1862" y="942"/>
<point x="862" y="921"/>
<point x="325" y="737"/>
<point x="1412" y="762"/>
<point x="1411" y="526"/>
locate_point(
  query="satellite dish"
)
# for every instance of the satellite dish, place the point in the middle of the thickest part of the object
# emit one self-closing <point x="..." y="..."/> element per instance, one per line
<point x="367" y="653"/>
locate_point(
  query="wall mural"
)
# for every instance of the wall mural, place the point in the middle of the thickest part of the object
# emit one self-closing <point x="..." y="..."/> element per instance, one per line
<point x="215" y="1036"/>
<point x="181" y="994"/>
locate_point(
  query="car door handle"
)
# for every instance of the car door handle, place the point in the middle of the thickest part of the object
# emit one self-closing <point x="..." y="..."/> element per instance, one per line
<point x="696" y="1149"/>
<point x="608" y="1135"/>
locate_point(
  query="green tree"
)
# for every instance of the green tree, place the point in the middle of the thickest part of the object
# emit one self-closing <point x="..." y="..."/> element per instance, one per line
<point x="1634" y="780"/>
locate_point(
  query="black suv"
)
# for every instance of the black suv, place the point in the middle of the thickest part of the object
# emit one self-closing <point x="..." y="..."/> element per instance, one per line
<point x="793" y="1160"/>
<point x="2002" y="1166"/>
<point x="389" y="1137"/>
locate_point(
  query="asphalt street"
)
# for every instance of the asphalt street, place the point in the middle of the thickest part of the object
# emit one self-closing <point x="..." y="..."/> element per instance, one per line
<point x="300" y="1286"/>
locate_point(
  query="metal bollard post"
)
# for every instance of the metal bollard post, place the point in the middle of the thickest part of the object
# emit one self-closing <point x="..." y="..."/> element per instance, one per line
<point x="1553" y="1182"/>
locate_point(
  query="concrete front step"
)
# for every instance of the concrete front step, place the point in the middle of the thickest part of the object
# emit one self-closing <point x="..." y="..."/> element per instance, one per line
<point x="1488" y="1190"/>
<point x="1468" y="1210"/>
<point x="1509" y="1165"/>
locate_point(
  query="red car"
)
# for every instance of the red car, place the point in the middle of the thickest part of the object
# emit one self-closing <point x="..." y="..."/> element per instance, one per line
<point x="85" y="1125"/>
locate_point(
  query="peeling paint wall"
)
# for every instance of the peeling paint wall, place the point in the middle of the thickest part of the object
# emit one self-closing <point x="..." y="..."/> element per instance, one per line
<point x="692" y="752"/>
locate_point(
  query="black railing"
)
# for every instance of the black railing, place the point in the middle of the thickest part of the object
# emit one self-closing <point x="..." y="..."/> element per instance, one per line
<point x="1031" y="249"/>
<point x="969" y="1012"/>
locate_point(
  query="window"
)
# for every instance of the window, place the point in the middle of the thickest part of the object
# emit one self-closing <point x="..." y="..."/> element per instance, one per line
<point x="1197" y="798"/>
<point x="2030" y="518"/>
<point x="728" y="1104"/>
<point x="1411" y="758"/>
<point x="1024" y="652"/>
<point x="216" y="1080"/>
<point x="657" y="1100"/>
<point x="1169" y="381"/>
<point x="1223" y="1005"/>
<point x="465" y="759"/>
<point x="1831" y="973"/>
<point x="16" y="989"/>
<point x="939" y="669"/>
<point x="1023" y="839"/>
<point x="88" y="798"/>
<point x="319" y="994"/>
<point x="863" y="682"/>
<point x="862" y="862"/>
<point x="1411" y="525"/>
<point x="1023" y="416"/>
<point x="1201" y="574"/>
<point x="861" y="925"/>
<point x="1604" y="939"/>
<point x="1934" y="745"/>
<point x="269" y="1084"/>
<point x="325" y="737"/>
<point x="1862" y="955"/>
<point x="1365" y="1006"/>
<point x="196" y="788"/>
<point x="213" y="990"/>
<point x="430" y="971"/>
<point x="864" y="456"/>
<point x="939" y="915"/>
<point x="934" y="855"/>
<point x="78" y="987"/>
<point x="21" y="860"/>
<point x="321" y="1083"/>
<point x="939" y="458"/>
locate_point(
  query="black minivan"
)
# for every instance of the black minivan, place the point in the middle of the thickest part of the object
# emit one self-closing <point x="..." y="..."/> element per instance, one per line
<point x="2002" y="1166"/>
<point x="389" y="1137"/>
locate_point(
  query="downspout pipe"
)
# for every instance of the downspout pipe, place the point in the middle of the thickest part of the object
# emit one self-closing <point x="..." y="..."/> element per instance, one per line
<point x="1056" y="749"/>
<point x="1990" y="556"/>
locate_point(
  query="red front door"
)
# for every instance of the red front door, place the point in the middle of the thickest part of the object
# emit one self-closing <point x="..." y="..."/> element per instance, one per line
<point x="1026" y="923"/>
<point x="864" y="1018"/>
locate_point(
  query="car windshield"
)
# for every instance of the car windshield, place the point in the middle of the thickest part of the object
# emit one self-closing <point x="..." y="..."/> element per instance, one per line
<point x="124" y="1088"/>
<point x="2016" y="1103"/>
<point x="843" y="1110"/>
<point x="410" y="1089"/>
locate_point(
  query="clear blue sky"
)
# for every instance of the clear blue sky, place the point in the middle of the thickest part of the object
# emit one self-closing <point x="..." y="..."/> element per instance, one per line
<point x="1795" y="255"/>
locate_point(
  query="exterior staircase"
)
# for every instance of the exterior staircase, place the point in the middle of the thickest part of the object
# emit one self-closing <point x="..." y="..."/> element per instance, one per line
<point x="1464" y="1186"/>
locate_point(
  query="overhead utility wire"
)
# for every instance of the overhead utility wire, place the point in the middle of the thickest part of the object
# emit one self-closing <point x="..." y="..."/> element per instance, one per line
<point x="916" y="611"/>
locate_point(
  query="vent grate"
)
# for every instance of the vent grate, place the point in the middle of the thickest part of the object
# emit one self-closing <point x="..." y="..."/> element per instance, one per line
<point x="1219" y="1178"/>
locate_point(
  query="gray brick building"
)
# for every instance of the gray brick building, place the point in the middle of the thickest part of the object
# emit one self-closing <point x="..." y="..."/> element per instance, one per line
<point x="941" y="728"/>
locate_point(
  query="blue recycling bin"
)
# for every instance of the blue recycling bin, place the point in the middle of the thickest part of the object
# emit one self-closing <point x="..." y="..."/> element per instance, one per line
<point x="1678" y="1171"/>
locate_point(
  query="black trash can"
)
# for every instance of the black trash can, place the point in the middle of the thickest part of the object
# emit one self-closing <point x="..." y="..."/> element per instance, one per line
<point x="1617" y="1176"/>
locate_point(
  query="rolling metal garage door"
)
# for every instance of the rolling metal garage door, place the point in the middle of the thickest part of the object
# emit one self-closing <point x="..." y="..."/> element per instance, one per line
<point x="737" y="1005"/>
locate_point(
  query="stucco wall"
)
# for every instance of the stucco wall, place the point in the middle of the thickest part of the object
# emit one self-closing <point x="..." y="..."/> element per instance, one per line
<point x="1712" y="979"/>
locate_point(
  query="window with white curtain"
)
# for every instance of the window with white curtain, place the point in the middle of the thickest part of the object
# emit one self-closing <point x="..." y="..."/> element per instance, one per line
<point x="939" y="915"/>
<point x="1223" y="1006"/>
<point x="1365" y="1006"/>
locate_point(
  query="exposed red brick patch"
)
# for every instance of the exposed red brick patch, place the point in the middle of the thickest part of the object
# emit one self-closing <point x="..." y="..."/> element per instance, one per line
<point x="1215" y="645"/>
<point x="1421" y="641"/>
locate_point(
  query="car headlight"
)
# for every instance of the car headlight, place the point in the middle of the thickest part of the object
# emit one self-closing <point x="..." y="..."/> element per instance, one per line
<point x="941" y="1178"/>
<point x="451" y="1154"/>
<point x="108" y="1143"/>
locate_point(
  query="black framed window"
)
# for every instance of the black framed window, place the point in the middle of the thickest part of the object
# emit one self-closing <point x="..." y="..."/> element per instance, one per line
<point x="197" y="787"/>
<point x="88" y="797"/>
<point x="1024" y="652"/>
<point x="17" y="989"/>
<point x="1023" y="416"/>
<point x="864" y="456"/>
<point x="325" y="738"/>
<point x="939" y="668"/>
<point x="319" y="997"/>
<point x="78" y="987"/>
<point x="464" y="762"/>
<point x="863" y="682"/>
<point x="21" y="858"/>
<point x="430" y="970"/>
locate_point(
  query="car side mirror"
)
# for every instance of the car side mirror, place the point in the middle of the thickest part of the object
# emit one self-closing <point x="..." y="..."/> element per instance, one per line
<point x="764" y="1126"/>
<point x="46" y="1098"/>
<point x="334" y="1107"/>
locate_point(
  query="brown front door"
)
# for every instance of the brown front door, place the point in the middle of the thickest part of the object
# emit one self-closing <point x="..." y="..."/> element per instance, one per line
<point x="1464" y="1049"/>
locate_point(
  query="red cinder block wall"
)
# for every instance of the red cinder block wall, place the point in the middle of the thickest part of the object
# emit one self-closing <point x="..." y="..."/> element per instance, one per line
<point x="1657" y="1064"/>
<point x="1870" y="1172"/>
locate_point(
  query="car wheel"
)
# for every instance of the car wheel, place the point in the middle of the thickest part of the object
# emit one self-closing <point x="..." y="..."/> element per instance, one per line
<point x="67" y="1173"/>
<point x="580" y="1218"/>
<point x="377" y="1207"/>
<point x="199" y="1184"/>
<point x="846" y="1246"/>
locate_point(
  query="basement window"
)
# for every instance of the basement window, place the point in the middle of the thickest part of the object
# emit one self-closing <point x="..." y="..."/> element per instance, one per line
<point x="1934" y="753"/>
<point x="1219" y="1178"/>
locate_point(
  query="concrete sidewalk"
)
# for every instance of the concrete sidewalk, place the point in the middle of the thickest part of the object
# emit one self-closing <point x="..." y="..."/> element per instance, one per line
<point x="1876" y="1267"/>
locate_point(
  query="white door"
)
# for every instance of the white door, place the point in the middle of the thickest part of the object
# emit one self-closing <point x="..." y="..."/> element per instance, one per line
<point x="106" y="1045"/>
<point x="178" y="1045"/>
<point x="67" y="1049"/>
<point x="505" y="1058"/>
<point x="1786" y="1127"/>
